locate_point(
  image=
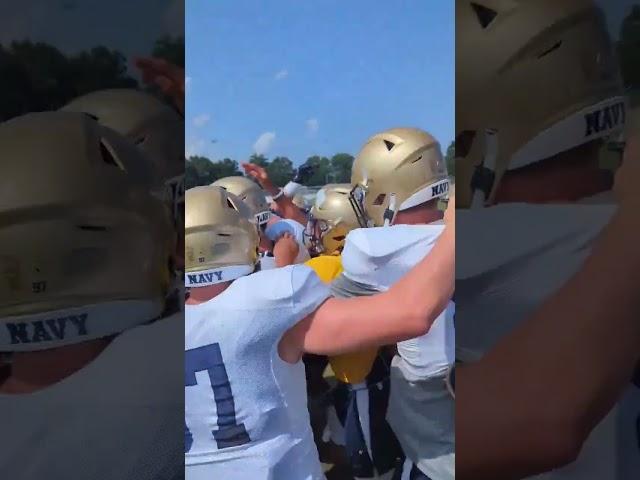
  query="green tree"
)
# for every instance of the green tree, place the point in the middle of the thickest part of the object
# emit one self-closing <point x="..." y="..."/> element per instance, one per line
<point x="280" y="171"/>
<point x="200" y="170"/>
<point x="259" y="159"/>
<point x="341" y="164"/>
<point x="450" y="159"/>
<point x="40" y="77"/>
<point x="170" y="48"/>
<point x="322" y="174"/>
<point x="225" y="168"/>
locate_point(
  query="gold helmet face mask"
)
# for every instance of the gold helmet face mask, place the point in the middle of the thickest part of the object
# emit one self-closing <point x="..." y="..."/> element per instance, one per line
<point x="250" y="193"/>
<point x="330" y="219"/>
<point x="397" y="169"/>
<point x="85" y="243"/>
<point x="533" y="79"/>
<point x="154" y="127"/>
<point x="221" y="238"/>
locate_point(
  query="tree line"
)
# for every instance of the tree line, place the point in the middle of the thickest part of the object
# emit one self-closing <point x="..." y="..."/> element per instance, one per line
<point x="201" y="170"/>
<point x="40" y="77"/>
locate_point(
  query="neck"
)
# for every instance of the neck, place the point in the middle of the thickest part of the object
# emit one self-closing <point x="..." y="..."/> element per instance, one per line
<point x="565" y="178"/>
<point x="204" y="294"/>
<point x="32" y="371"/>
<point x="419" y="216"/>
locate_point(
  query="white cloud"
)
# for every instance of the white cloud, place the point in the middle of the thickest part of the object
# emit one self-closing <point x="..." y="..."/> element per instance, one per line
<point x="264" y="143"/>
<point x="187" y="83"/>
<point x="282" y="74"/>
<point x="312" y="126"/>
<point x="201" y="120"/>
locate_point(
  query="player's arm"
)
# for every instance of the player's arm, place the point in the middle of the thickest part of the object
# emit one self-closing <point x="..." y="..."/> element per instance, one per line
<point x="530" y="403"/>
<point x="406" y="311"/>
<point x="287" y="208"/>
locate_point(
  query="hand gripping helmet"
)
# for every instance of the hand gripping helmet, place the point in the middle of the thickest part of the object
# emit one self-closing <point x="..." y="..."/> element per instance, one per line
<point x="331" y="219"/>
<point x="397" y="169"/>
<point x="221" y="238"/>
<point x="250" y="193"/>
<point x="533" y="79"/>
<point x="83" y="238"/>
<point x="149" y="123"/>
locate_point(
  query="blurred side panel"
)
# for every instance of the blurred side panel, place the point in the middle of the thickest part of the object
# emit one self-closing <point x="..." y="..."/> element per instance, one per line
<point x="91" y="222"/>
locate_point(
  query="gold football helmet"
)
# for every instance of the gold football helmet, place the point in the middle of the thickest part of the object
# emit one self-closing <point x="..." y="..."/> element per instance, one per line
<point x="397" y="169"/>
<point x="221" y="238"/>
<point x="149" y="123"/>
<point x="82" y="235"/>
<point x="533" y="79"/>
<point x="250" y="193"/>
<point x="331" y="218"/>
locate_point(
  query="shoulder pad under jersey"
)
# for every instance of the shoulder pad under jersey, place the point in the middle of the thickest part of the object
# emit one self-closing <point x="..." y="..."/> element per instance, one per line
<point x="380" y="256"/>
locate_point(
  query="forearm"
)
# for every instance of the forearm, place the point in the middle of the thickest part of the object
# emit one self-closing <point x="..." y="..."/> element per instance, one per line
<point x="528" y="404"/>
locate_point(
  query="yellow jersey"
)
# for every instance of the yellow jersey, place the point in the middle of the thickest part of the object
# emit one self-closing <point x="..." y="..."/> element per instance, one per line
<point x="351" y="367"/>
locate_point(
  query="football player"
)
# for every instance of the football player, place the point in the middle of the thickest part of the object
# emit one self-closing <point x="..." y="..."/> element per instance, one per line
<point x="546" y="290"/>
<point x="87" y="244"/>
<point x="246" y="408"/>
<point x="357" y="416"/>
<point x="397" y="180"/>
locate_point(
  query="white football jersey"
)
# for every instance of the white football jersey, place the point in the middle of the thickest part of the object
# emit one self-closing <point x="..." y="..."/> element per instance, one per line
<point x="118" y="418"/>
<point x="379" y="257"/>
<point x="516" y="257"/>
<point x="245" y="408"/>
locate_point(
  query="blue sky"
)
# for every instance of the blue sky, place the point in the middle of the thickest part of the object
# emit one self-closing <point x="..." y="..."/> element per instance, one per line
<point x="301" y="77"/>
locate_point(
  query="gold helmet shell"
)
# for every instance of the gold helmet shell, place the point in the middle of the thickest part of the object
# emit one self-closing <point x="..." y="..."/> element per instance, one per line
<point x="221" y="239"/>
<point x="82" y="234"/>
<point x="250" y="193"/>
<point x="533" y="79"/>
<point x="331" y="219"/>
<point x="153" y="126"/>
<point x="396" y="169"/>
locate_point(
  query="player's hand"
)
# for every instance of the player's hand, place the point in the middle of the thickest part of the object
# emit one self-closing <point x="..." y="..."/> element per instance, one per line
<point x="167" y="76"/>
<point x="628" y="175"/>
<point x="261" y="176"/>
<point x="285" y="250"/>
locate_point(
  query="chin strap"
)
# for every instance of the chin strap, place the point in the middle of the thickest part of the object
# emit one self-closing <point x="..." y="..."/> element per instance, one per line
<point x="390" y="212"/>
<point x="485" y="173"/>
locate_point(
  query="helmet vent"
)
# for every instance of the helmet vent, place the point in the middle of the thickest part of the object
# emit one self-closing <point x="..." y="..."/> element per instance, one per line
<point x="91" y="116"/>
<point x="417" y="159"/>
<point x="389" y="145"/>
<point x="550" y="49"/>
<point x="141" y="140"/>
<point x="379" y="199"/>
<point x="92" y="228"/>
<point x="485" y="14"/>
<point x="107" y="155"/>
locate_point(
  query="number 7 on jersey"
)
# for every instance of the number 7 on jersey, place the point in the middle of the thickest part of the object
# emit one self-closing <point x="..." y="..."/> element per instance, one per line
<point x="209" y="358"/>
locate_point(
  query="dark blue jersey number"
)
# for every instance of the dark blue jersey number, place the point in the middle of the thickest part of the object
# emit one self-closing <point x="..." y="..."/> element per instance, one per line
<point x="209" y="359"/>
